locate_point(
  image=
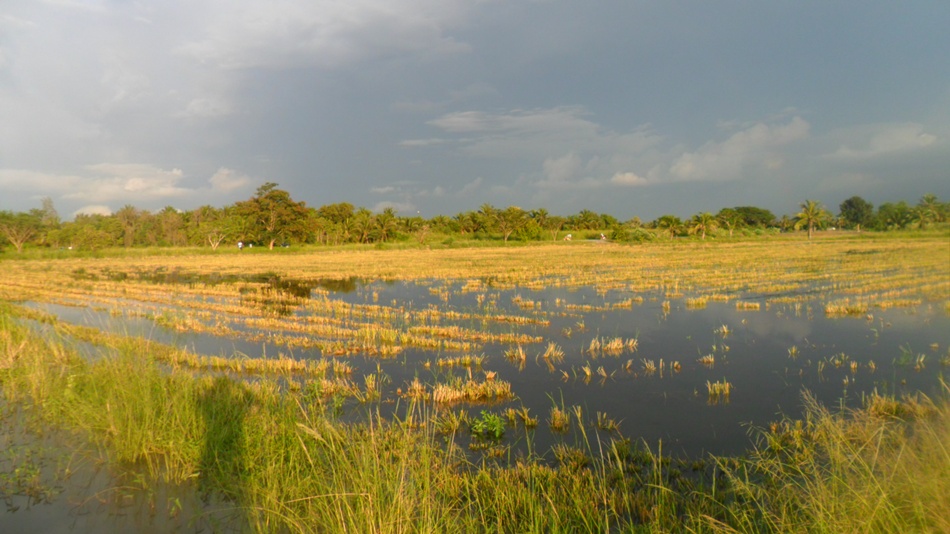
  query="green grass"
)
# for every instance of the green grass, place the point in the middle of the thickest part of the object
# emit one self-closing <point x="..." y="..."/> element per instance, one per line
<point x="282" y="458"/>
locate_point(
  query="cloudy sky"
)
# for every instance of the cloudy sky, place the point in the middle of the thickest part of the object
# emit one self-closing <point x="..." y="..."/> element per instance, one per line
<point x="627" y="107"/>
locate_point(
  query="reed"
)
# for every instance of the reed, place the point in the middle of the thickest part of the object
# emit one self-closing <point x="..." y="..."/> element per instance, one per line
<point x="861" y="470"/>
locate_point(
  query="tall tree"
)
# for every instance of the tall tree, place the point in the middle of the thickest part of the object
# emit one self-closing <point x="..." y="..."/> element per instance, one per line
<point x="336" y="213"/>
<point x="19" y="228"/>
<point x="510" y="220"/>
<point x="386" y="224"/>
<point x="755" y="217"/>
<point x="931" y="209"/>
<point x="128" y="217"/>
<point x="587" y="220"/>
<point x="362" y="225"/>
<point x="554" y="224"/>
<point x="812" y="215"/>
<point x="273" y="215"/>
<point x="171" y="223"/>
<point x="857" y="212"/>
<point x="702" y="223"/>
<point x="729" y="218"/>
<point x="670" y="224"/>
<point x="894" y="216"/>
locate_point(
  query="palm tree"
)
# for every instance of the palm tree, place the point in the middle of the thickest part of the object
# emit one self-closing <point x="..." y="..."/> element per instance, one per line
<point x="386" y="223"/>
<point x="670" y="223"/>
<point x="702" y="223"/>
<point x="930" y="208"/>
<point x="813" y="214"/>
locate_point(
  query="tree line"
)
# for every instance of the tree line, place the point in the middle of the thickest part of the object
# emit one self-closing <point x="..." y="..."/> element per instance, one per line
<point x="272" y="218"/>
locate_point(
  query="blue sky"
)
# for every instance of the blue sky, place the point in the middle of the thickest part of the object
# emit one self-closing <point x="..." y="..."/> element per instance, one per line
<point x="439" y="106"/>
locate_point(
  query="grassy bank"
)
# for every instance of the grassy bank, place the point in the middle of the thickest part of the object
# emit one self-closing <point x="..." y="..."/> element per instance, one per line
<point x="289" y="465"/>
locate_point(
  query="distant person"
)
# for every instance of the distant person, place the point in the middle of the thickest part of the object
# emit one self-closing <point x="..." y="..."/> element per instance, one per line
<point x="240" y="245"/>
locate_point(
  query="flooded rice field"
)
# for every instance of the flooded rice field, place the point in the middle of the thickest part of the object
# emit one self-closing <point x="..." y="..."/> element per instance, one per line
<point x="692" y="371"/>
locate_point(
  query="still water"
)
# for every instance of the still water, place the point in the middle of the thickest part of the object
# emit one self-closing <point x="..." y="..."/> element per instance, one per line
<point x="768" y="355"/>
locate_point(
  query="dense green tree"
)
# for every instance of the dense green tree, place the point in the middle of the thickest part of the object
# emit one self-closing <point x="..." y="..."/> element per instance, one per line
<point x="274" y="216"/>
<point x="811" y="216"/>
<point x="857" y="212"/>
<point x="440" y="223"/>
<point x="336" y="213"/>
<point x="171" y="226"/>
<point x="540" y="216"/>
<point x="729" y="218"/>
<point x="486" y="218"/>
<point x="586" y="220"/>
<point x="608" y="221"/>
<point x="129" y="218"/>
<point x="755" y="217"/>
<point x="894" y="216"/>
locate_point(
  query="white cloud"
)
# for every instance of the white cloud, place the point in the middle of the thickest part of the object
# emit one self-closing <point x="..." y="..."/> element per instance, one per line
<point x="383" y="190"/>
<point x="93" y="209"/>
<point x="755" y="146"/>
<point x="225" y="180"/>
<point x="568" y="172"/>
<point x="399" y="207"/>
<point x="628" y="178"/>
<point x="470" y="188"/>
<point x="129" y="182"/>
<point x="596" y="156"/>
<point x="285" y="33"/>
<point x="539" y="134"/>
<point x="207" y="108"/>
<point x="412" y="143"/>
<point x="37" y="181"/>
<point x="877" y="140"/>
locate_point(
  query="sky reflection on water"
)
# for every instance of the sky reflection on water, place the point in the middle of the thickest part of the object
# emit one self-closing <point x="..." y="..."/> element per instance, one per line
<point x="672" y="406"/>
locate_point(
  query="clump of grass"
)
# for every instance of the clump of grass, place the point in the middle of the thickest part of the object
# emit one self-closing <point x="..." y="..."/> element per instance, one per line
<point x="744" y="305"/>
<point x="553" y="352"/>
<point x="516" y="354"/>
<point x="719" y="391"/>
<point x="607" y="423"/>
<point x="707" y="359"/>
<point x="471" y="391"/>
<point x="449" y="422"/>
<point x="867" y="470"/>
<point x="846" y="307"/>
<point x="696" y="303"/>
<point x="571" y="458"/>
<point x="559" y="420"/>
<point x="467" y="360"/>
<point x="649" y="366"/>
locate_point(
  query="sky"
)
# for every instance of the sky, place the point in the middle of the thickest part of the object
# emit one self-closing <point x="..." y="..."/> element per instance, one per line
<point x="436" y="107"/>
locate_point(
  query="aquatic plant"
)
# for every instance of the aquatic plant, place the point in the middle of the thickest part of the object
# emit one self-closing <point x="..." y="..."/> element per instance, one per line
<point x="489" y="426"/>
<point x="718" y="391"/>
